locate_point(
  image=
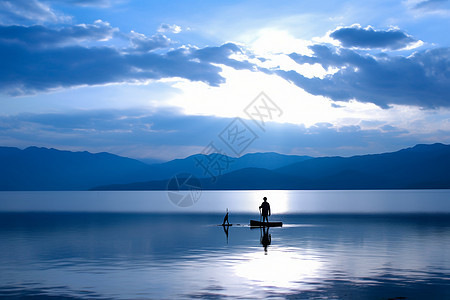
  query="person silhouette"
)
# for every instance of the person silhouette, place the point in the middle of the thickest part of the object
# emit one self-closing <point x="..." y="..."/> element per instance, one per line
<point x="264" y="210"/>
<point x="225" y="219"/>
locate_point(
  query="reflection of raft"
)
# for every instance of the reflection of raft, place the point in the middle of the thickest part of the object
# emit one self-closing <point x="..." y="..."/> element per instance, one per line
<point x="254" y="223"/>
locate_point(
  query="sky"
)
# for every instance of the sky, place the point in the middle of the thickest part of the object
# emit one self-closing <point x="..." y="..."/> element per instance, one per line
<point x="159" y="80"/>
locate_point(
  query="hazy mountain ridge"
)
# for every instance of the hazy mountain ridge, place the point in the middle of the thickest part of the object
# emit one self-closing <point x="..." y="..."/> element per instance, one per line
<point x="419" y="167"/>
<point x="406" y="168"/>
<point x="50" y="169"/>
<point x="422" y="166"/>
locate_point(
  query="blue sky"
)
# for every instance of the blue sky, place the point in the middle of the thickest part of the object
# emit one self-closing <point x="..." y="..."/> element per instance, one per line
<point x="161" y="80"/>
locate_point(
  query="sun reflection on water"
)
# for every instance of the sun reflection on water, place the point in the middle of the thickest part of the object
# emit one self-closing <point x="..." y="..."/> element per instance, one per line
<point x="280" y="268"/>
<point x="279" y="200"/>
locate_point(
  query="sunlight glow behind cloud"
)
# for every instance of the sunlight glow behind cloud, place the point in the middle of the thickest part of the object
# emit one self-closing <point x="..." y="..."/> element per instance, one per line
<point x="299" y="107"/>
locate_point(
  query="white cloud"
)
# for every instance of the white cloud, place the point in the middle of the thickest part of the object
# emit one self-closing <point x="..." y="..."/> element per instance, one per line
<point x="169" y="28"/>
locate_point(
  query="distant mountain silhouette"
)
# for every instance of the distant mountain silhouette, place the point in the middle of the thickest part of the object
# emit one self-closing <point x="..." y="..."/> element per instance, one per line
<point x="192" y="164"/>
<point x="422" y="166"/>
<point x="49" y="169"/>
<point x="419" y="167"/>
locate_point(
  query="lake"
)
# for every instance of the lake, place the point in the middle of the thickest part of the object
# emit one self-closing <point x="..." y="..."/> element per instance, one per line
<point x="140" y="245"/>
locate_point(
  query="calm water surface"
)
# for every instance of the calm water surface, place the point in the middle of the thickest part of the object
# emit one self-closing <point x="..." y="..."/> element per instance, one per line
<point x="169" y="255"/>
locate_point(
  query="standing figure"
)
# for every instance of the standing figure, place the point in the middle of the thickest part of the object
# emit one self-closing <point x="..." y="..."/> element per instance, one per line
<point x="225" y="219"/>
<point x="264" y="210"/>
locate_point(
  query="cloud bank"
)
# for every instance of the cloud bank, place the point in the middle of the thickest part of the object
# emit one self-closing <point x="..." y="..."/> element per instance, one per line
<point x="39" y="36"/>
<point x="37" y="58"/>
<point x="422" y="79"/>
<point x="138" y="133"/>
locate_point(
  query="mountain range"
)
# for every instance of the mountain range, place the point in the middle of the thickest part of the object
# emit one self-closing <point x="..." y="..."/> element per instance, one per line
<point x="418" y="167"/>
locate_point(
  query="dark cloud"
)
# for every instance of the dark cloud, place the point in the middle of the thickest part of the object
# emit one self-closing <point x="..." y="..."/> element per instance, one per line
<point x="422" y="79"/>
<point x="36" y="58"/>
<point x="368" y="38"/>
<point x="39" y="36"/>
<point x="221" y="55"/>
<point x="24" y="71"/>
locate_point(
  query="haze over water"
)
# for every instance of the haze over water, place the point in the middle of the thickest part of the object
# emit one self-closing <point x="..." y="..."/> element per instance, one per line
<point x="184" y="254"/>
<point x="283" y="202"/>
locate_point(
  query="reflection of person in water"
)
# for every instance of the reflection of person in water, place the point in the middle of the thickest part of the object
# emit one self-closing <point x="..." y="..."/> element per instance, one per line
<point x="226" y="226"/>
<point x="225" y="219"/>
<point x="225" y="229"/>
<point x="264" y="210"/>
<point x="266" y="238"/>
